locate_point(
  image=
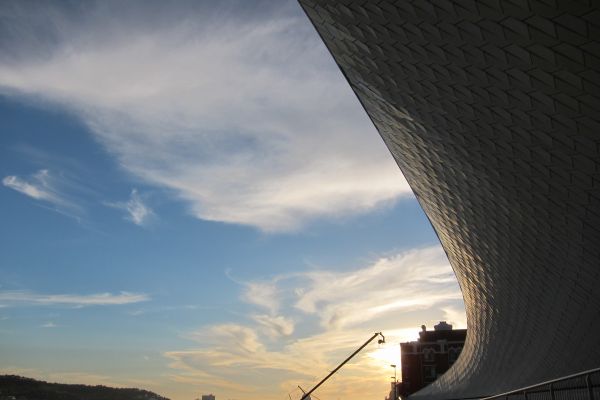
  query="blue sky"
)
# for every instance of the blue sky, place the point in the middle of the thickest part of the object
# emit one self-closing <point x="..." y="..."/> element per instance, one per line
<point x="193" y="201"/>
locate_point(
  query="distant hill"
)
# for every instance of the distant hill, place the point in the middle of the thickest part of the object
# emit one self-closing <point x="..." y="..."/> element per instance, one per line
<point x="14" y="387"/>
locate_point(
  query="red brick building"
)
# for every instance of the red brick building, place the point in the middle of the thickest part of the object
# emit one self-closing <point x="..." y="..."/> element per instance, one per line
<point x="424" y="360"/>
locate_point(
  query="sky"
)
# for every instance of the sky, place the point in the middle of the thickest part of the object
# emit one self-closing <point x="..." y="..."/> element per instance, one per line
<point x="193" y="201"/>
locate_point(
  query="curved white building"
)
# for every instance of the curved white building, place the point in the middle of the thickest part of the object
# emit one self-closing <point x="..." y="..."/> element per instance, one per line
<point x="491" y="109"/>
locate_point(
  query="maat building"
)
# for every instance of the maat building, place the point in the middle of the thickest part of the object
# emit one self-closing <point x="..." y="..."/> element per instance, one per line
<point x="491" y="109"/>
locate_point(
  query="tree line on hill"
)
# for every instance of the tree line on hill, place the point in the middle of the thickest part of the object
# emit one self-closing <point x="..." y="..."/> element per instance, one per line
<point x="13" y="387"/>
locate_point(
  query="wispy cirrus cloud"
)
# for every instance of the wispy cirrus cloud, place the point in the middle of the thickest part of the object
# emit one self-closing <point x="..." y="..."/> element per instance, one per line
<point x="275" y="325"/>
<point x="245" y="118"/>
<point x="138" y="212"/>
<point x="38" y="190"/>
<point x="417" y="279"/>
<point x="45" y="187"/>
<point x="262" y="294"/>
<point x="15" y="298"/>
<point x="317" y="318"/>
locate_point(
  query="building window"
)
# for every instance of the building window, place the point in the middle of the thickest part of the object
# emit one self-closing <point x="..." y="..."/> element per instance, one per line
<point x="429" y="371"/>
<point x="452" y="355"/>
<point x="429" y="355"/>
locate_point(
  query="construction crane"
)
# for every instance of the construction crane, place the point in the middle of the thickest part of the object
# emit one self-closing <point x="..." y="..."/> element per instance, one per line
<point x="306" y="395"/>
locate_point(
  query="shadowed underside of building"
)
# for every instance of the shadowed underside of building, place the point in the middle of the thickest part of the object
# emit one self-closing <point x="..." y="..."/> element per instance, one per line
<point x="491" y="109"/>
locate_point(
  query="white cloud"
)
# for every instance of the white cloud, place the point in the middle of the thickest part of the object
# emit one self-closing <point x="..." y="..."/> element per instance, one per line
<point x="263" y="294"/>
<point x="234" y="359"/>
<point x="416" y="279"/>
<point x="455" y="316"/>
<point x="24" y="298"/>
<point x="275" y="325"/>
<point x="137" y="211"/>
<point x="247" y="119"/>
<point x="41" y="186"/>
<point x="38" y="192"/>
<point x="328" y="314"/>
<point x="49" y="324"/>
<point x="50" y="190"/>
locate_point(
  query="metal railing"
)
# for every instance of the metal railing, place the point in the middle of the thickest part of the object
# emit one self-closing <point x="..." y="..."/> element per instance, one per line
<point x="581" y="386"/>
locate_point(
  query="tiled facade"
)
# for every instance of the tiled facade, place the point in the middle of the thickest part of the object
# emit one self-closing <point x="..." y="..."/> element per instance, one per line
<point x="491" y="109"/>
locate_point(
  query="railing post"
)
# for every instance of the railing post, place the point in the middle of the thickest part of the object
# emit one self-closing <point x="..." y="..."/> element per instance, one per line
<point x="524" y="394"/>
<point x="552" y="391"/>
<point x="589" y="387"/>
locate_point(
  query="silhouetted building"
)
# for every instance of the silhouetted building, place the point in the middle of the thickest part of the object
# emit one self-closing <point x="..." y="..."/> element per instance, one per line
<point x="394" y="392"/>
<point x="429" y="357"/>
<point x="208" y="397"/>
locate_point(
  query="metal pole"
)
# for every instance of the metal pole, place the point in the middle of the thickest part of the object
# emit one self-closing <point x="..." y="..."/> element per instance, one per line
<point x="395" y="384"/>
<point x="342" y="364"/>
<point x="589" y="387"/>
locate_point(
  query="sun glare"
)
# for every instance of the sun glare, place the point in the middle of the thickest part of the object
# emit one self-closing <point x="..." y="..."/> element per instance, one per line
<point x="385" y="356"/>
